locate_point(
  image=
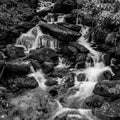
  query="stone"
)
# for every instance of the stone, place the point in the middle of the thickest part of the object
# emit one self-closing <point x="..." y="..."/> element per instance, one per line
<point x="70" y="26"/>
<point x="79" y="47"/>
<point x="94" y="101"/>
<point x="81" y="57"/>
<point x="59" y="73"/>
<point x="44" y="55"/>
<point x="69" y="51"/>
<point x="47" y="67"/>
<point x="108" y="89"/>
<point x="64" y="6"/>
<point x="13" y="52"/>
<point x="81" y="77"/>
<point x="16" y="68"/>
<point x="51" y="82"/>
<point x="20" y="83"/>
<point x="61" y="33"/>
<point x="108" y="111"/>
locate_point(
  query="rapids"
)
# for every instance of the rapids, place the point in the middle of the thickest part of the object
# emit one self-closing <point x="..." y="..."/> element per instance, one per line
<point x="93" y="72"/>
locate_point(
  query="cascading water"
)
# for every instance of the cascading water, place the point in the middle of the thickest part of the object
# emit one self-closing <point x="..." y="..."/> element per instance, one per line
<point x="35" y="38"/>
<point x="93" y="73"/>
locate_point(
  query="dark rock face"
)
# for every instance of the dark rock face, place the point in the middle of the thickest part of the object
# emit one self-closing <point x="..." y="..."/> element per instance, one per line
<point x="44" y="55"/>
<point x="47" y="67"/>
<point x="61" y="33"/>
<point x="99" y="35"/>
<point x="64" y="6"/>
<point x="18" y="83"/>
<point x="14" y="14"/>
<point x="81" y="57"/>
<point x="13" y="52"/>
<point x="69" y="51"/>
<point x="16" y="68"/>
<point x="59" y="73"/>
<point x="71" y="26"/>
<point x="79" y="47"/>
<point x="109" y="111"/>
<point x="94" y="101"/>
<point x="81" y="77"/>
<point x="108" y="89"/>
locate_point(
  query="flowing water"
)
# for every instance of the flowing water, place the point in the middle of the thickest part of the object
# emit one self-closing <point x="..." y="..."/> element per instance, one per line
<point x="93" y="73"/>
<point x="35" y="38"/>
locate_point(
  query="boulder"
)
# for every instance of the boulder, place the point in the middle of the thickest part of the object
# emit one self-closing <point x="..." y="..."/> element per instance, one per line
<point x="59" y="32"/>
<point x="51" y="82"/>
<point x="13" y="52"/>
<point x="16" y="68"/>
<point x="70" y="26"/>
<point x="81" y="77"/>
<point x="81" y="57"/>
<point x="108" y="111"/>
<point x="19" y="83"/>
<point x="94" y="101"/>
<point x="59" y="72"/>
<point x="68" y="51"/>
<point x="113" y="39"/>
<point x="79" y="47"/>
<point x="99" y="35"/>
<point x="47" y="67"/>
<point x="64" y="6"/>
<point x="108" y="89"/>
<point x="44" y="55"/>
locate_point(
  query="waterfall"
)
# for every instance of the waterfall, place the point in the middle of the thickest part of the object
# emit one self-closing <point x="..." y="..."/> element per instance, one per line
<point x="40" y="78"/>
<point x="35" y="38"/>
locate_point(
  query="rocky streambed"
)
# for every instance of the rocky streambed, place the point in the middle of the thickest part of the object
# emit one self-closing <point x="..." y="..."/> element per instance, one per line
<point x="60" y="62"/>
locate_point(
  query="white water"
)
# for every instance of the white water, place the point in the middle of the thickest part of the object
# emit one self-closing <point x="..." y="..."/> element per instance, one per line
<point x="40" y="78"/>
<point x="35" y="38"/>
<point x="77" y="113"/>
<point x="93" y="74"/>
<point x="62" y="64"/>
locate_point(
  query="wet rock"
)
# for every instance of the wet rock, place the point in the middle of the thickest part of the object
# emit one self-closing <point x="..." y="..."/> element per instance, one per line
<point x="104" y="47"/>
<point x="80" y="65"/>
<point x="81" y="57"/>
<point x="79" y="47"/>
<point x="99" y="35"/>
<point x="109" y="111"/>
<point x="19" y="83"/>
<point x="81" y="77"/>
<point x="64" y="6"/>
<point x="69" y="80"/>
<point x="13" y="52"/>
<point x="69" y="18"/>
<point x="51" y="82"/>
<point x="106" y="59"/>
<point x="44" y="55"/>
<point x="61" y="33"/>
<point x="13" y="14"/>
<point x="94" y="101"/>
<point x="59" y="73"/>
<point x="44" y="12"/>
<point x="112" y="39"/>
<point x="108" y="89"/>
<point x="71" y="26"/>
<point x="53" y="92"/>
<point x="16" y="68"/>
<point x="69" y="51"/>
<point x="86" y="19"/>
<point x="47" y="67"/>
